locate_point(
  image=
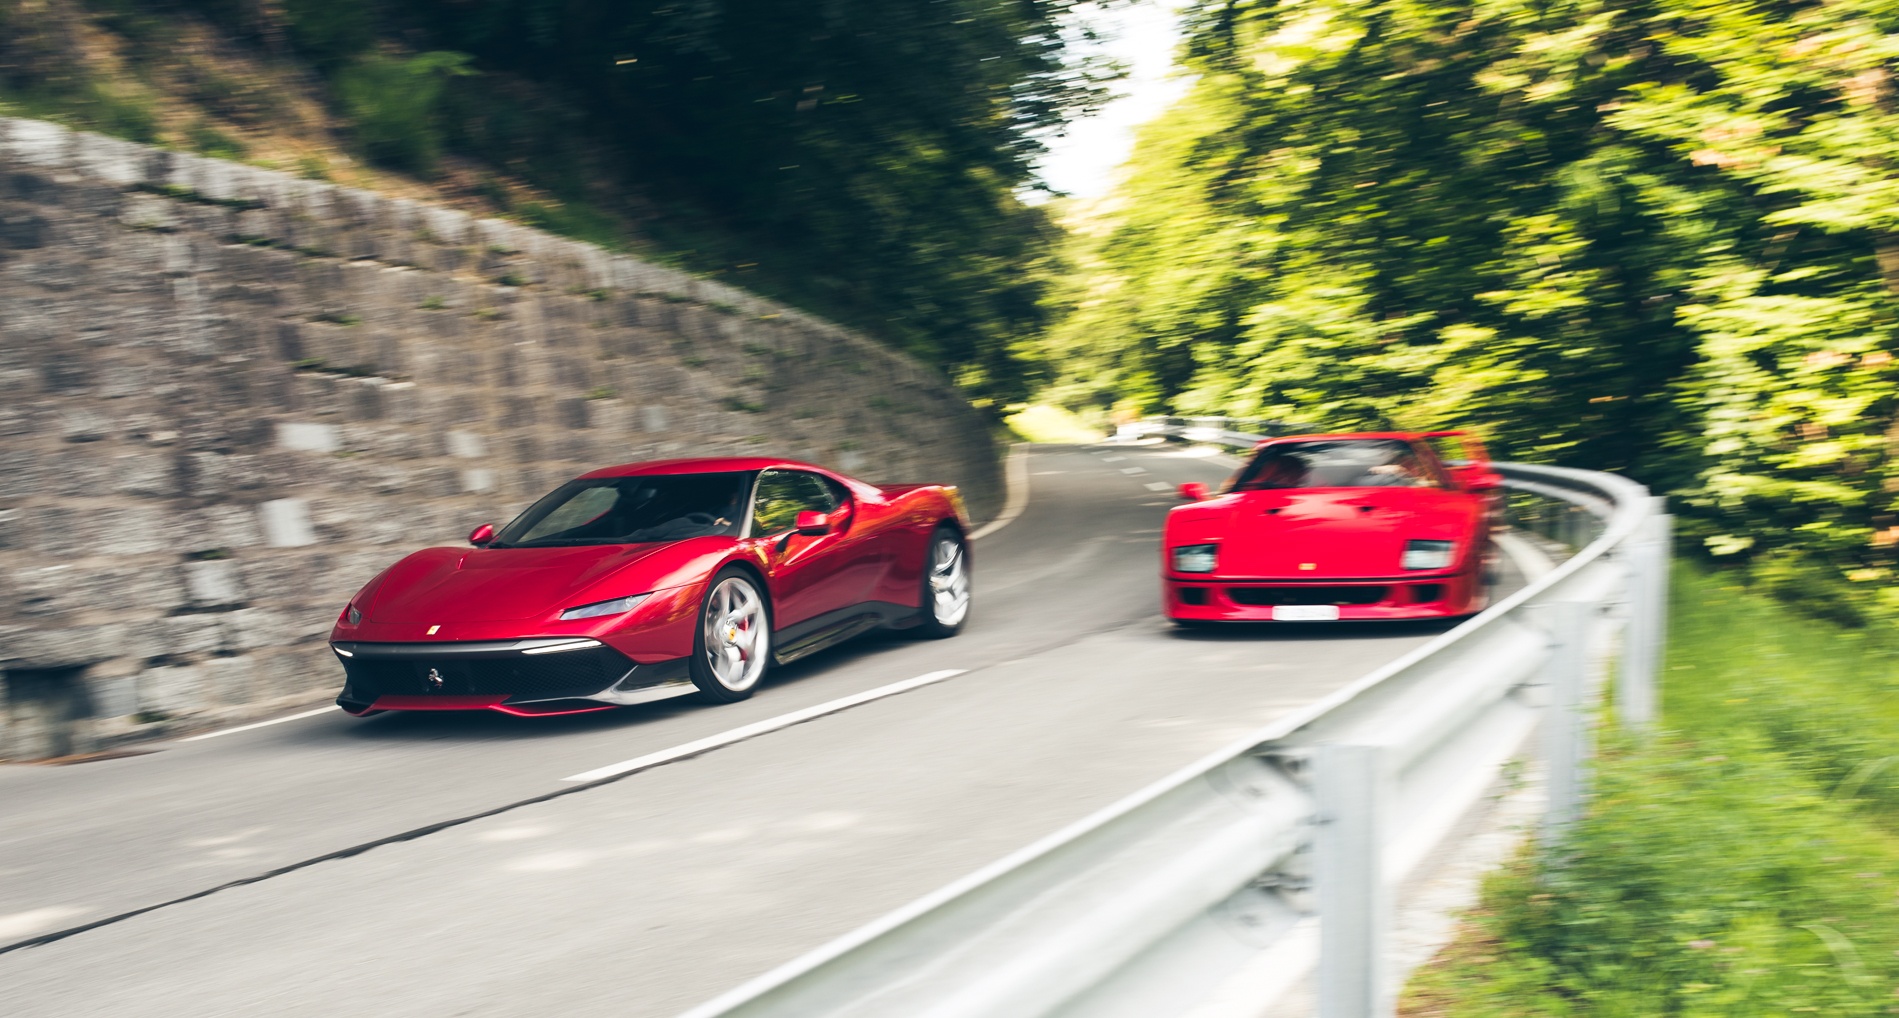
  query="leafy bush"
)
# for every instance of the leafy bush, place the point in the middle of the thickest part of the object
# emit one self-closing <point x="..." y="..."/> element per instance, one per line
<point x="393" y="103"/>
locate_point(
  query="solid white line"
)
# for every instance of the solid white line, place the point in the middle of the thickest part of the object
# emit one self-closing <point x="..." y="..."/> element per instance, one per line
<point x="260" y="724"/>
<point x="1018" y="479"/>
<point x="698" y="746"/>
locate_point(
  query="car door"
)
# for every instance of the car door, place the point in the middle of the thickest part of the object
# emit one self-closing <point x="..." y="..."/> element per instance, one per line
<point x="812" y="575"/>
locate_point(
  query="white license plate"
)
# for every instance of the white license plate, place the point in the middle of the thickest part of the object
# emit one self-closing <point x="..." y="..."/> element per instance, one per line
<point x="1305" y="613"/>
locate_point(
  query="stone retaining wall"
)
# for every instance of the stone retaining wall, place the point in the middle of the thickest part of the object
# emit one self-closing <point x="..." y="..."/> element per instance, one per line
<point x="229" y="396"/>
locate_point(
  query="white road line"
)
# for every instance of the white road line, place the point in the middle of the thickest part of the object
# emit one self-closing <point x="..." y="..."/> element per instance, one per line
<point x="1130" y="471"/>
<point x="698" y="746"/>
<point x="1018" y="479"/>
<point x="260" y="724"/>
<point x="1159" y="486"/>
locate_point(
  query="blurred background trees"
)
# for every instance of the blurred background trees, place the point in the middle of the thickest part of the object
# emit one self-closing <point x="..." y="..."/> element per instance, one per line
<point x="1653" y="237"/>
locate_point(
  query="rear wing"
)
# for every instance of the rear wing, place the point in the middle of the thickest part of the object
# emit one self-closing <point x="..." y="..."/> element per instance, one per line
<point x="1473" y="447"/>
<point x="1472" y="466"/>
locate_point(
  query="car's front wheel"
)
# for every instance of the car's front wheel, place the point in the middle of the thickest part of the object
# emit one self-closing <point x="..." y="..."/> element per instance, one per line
<point x="733" y="645"/>
<point x="946" y="586"/>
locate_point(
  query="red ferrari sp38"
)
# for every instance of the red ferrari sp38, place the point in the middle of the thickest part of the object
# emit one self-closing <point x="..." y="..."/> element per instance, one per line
<point x="1326" y="527"/>
<point x="639" y="582"/>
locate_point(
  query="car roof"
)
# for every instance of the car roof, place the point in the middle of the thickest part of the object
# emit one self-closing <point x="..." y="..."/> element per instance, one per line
<point x="703" y="465"/>
<point x="1399" y="436"/>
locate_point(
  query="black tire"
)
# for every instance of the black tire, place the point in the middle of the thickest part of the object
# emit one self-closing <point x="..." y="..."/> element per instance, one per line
<point x="936" y="619"/>
<point x="756" y="652"/>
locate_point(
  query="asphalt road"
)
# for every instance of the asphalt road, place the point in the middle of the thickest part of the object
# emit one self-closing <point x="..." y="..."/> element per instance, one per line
<point x="644" y="895"/>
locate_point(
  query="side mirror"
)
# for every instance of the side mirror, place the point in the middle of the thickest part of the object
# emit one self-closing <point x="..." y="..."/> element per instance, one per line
<point x="1482" y="480"/>
<point x="809" y="522"/>
<point x="482" y="535"/>
<point x="1193" y="491"/>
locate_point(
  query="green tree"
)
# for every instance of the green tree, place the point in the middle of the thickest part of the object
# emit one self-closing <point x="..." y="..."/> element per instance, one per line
<point x="394" y="103"/>
<point x="1653" y="237"/>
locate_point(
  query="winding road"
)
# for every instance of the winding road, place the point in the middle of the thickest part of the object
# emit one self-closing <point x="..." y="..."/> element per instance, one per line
<point x="446" y="865"/>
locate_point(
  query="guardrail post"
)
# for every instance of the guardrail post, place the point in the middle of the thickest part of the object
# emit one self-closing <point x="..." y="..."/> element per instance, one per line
<point x="1647" y="631"/>
<point x="1566" y="742"/>
<point x="1354" y="908"/>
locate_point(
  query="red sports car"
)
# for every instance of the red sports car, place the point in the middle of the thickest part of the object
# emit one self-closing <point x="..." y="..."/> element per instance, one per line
<point x="1327" y="527"/>
<point x="643" y="581"/>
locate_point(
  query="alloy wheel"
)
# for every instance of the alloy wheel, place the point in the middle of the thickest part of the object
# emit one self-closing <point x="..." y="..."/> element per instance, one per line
<point x="949" y="581"/>
<point x="737" y="635"/>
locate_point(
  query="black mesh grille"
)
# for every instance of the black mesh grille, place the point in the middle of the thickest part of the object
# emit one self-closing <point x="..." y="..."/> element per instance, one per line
<point x="1307" y="594"/>
<point x="569" y="673"/>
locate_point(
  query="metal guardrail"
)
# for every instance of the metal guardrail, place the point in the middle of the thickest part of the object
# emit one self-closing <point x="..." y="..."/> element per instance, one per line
<point x="1211" y="892"/>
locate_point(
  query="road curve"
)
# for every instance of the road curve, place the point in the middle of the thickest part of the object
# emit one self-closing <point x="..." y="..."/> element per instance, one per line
<point x="456" y="872"/>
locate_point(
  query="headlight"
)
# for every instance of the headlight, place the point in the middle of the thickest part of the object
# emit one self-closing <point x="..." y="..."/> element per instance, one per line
<point x="614" y="607"/>
<point x="1427" y="554"/>
<point x="353" y="614"/>
<point x="1194" y="558"/>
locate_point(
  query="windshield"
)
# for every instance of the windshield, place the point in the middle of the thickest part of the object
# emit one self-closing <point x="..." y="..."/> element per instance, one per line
<point x="1340" y="463"/>
<point x="632" y="510"/>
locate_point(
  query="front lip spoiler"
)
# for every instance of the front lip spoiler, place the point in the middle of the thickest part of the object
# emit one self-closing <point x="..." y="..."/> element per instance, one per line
<point x="642" y="683"/>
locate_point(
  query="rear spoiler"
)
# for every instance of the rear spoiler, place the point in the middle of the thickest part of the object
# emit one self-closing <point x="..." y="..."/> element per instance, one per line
<point x="1473" y="446"/>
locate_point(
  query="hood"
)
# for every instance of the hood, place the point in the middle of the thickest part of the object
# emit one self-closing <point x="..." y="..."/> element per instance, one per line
<point x="440" y="585"/>
<point x="1323" y="533"/>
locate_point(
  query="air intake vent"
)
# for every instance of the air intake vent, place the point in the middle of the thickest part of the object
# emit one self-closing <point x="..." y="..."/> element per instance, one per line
<point x="1307" y="594"/>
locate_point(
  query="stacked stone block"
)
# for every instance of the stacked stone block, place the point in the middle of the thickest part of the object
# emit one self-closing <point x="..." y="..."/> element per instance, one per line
<point x="228" y="397"/>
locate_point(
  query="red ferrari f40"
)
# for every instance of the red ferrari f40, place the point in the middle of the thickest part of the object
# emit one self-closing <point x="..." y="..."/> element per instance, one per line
<point x="1319" y="528"/>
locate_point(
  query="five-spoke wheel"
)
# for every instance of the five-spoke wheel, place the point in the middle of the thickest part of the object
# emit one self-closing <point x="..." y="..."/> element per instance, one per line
<point x="945" y="585"/>
<point x="733" y="645"/>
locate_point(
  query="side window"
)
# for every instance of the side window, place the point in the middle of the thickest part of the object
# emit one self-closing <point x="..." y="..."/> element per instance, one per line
<point x="782" y="495"/>
<point x="840" y="495"/>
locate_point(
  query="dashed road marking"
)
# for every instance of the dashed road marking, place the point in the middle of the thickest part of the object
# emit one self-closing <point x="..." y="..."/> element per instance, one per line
<point x="740" y="734"/>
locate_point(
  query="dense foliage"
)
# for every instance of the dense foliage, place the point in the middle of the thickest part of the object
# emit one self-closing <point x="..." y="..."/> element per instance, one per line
<point x="867" y="152"/>
<point x="1647" y="236"/>
<point x="1740" y="863"/>
<point x="862" y="158"/>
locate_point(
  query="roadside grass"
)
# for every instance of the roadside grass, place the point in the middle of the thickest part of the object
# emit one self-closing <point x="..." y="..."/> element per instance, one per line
<point x="1742" y="862"/>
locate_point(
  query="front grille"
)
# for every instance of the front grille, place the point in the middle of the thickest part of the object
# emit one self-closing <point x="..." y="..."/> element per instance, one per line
<point x="530" y="676"/>
<point x="1193" y="595"/>
<point x="1307" y="594"/>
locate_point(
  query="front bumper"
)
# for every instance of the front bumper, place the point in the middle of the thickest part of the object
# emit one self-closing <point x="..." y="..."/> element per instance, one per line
<point x="544" y="675"/>
<point x="1223" y="599"/>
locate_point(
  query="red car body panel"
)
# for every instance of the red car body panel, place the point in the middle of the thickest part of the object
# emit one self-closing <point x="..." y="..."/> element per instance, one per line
<point x="456" y="597"/>
<point x="1339" y="545"/>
